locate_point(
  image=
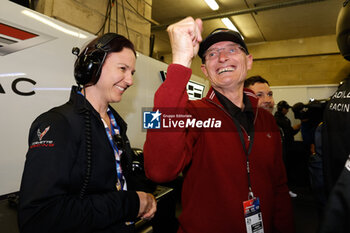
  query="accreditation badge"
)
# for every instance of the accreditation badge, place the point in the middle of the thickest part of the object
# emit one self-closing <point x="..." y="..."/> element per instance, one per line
<point x="252" y="216"/>
<point x="118" y="185"/>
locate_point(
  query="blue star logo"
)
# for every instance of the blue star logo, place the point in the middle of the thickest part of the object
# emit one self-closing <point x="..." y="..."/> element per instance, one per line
<point x="151" y="120"/>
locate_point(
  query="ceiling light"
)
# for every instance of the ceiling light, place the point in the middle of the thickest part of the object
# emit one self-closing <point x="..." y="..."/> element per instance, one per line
<point x="212" y="4"/>
<point x="12" y="74"/>
<point x="230" y="25"/>
<point x="52" y="24"/>
<point x="52" y="89"/>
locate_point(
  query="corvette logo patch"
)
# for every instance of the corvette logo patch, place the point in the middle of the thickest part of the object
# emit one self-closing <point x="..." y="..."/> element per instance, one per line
<point x="42" y="143"/>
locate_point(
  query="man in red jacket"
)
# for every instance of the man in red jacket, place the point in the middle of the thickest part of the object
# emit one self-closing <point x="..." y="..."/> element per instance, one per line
<point x="228" y="150"/>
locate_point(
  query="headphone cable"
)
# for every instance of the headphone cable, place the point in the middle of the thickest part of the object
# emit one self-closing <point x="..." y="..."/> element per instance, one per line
<point x="88" y="147"/>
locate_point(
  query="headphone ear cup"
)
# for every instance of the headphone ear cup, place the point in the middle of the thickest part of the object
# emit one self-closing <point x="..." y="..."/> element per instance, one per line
<point x="87" y="67"/>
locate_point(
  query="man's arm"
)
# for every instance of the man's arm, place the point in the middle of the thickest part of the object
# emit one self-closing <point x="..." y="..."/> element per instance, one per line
<point x="296" y="128"/>
<point x="166" y="153"/>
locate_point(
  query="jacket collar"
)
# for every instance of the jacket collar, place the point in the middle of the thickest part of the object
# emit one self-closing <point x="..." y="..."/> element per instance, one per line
<point x="81" y="104"/>
<point x="249" y="93"/>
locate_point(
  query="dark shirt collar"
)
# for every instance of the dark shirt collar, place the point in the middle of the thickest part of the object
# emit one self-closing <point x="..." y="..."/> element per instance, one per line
<point x="231" y="107"/>
<point x="245" y="117"/>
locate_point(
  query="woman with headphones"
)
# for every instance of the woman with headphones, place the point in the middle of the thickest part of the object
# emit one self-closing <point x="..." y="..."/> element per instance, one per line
<point x="77" y="175"/>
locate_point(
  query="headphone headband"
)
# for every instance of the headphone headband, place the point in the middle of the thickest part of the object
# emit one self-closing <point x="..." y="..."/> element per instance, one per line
<point x="87" y="67"/>
<point x="104" y="41"/>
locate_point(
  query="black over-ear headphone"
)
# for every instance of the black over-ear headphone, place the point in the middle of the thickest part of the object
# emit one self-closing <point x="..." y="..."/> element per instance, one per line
<point x="87" y="67"/>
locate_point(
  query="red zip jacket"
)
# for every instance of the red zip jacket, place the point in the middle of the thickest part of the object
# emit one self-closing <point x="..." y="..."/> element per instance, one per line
<point x="213" y="162"/>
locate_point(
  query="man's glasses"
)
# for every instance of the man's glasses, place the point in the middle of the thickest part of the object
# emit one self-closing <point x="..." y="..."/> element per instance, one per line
<point x="212" y="54"/>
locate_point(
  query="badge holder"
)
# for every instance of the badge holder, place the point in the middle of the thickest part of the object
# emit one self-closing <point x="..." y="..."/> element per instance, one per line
<point x="251" y="207"/>
<point x="252" y="214"/>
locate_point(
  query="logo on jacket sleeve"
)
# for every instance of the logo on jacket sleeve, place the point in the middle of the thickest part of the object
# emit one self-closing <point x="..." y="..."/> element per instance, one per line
<point x="41" y="142"/>
<point x="41" y="135"/>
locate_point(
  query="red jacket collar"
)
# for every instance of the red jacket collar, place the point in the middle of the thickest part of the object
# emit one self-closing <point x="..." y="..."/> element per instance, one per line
<point x="252" y="97"/>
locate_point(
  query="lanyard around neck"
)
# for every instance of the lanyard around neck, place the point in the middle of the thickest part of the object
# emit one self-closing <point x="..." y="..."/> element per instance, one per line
<point x="246" y="152"/>
<point x="115" y="129"/>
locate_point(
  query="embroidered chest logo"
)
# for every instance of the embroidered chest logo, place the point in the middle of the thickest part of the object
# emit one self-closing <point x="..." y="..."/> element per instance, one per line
<point x="42" y="143"/>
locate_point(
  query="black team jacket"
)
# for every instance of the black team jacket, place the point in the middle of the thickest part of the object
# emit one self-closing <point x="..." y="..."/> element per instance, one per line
<point x="55" y="169"/>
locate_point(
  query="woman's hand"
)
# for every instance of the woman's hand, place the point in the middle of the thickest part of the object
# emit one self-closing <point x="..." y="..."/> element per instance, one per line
<point x="148" y="205"/>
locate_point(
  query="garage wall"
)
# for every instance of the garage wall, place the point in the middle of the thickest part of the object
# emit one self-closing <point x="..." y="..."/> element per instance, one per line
<point x="304" y="61"/>
<point x="303" y="70"/>
<point x="89" y="15"/>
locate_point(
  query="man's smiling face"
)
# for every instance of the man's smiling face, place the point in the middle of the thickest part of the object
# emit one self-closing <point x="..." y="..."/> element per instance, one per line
<point x="226" y="65"/>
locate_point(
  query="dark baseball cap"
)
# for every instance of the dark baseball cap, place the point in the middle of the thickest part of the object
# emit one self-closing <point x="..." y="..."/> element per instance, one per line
<point x="283" y="104"/>
<point x="218" y="35"/>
